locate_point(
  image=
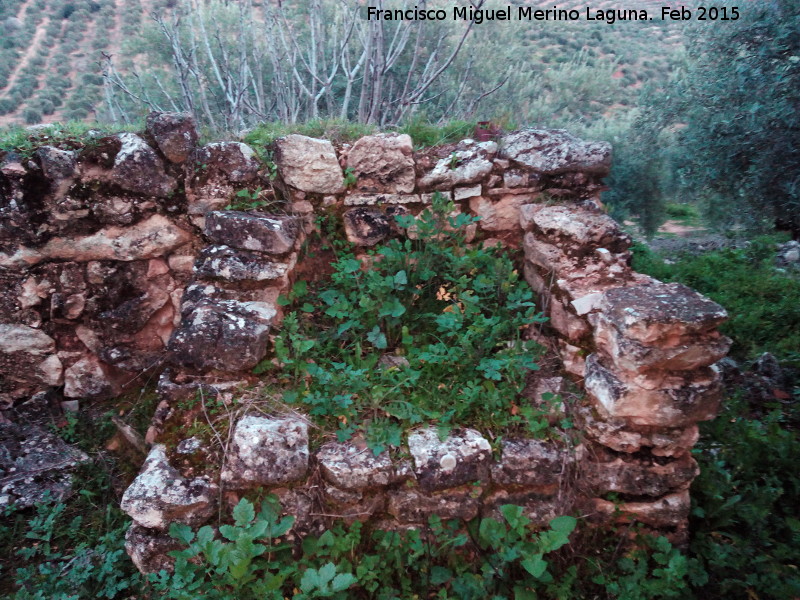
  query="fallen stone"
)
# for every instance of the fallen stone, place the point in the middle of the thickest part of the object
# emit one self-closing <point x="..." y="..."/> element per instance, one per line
<point x="175" y="134"/>
<point x="149" y="549"/>
<point x="138" y="169"/>
<point x="27" y="356"/>
<point x="266" y="451"/>
<point x="553" y="151"/>
<point x="160" y="496"/>
<point x="309" y="164"/>
<point x="531" y="463"/>
<point x="462" y="457"/>
<point x="366" y="226"/>
<point x="89" y="377"/>
<point x="257" y="232"/>
<point x="383" y="163"/>
<point x="349" y="467"/>
<point x="35" y="466"/>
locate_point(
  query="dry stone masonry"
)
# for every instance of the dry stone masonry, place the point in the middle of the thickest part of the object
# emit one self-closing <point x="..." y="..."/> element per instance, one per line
<point x="120" y="256"/>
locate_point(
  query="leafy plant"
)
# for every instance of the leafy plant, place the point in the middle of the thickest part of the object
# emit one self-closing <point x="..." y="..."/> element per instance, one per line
<point x="247" y="200"/>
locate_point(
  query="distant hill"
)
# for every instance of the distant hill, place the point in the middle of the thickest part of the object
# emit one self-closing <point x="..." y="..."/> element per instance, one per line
<point x="51" y="50"/>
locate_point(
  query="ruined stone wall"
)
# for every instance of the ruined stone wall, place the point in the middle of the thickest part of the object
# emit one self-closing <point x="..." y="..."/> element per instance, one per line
<point x="119" y="256"/>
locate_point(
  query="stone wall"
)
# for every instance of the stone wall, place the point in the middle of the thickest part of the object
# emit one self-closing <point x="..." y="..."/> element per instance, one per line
<point x="119" y="257"/>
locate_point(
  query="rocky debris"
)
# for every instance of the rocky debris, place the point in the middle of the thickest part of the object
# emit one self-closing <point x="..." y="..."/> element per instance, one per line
<point x="217" y="171"/>
<point x="531" y="463"/>
<point x="89" y="377"/>
<point x="251" y="231"/>
<point x="469" y="163"/>
<point x="415" y="506"/>
<point x="309" y="164"/>
<point x="149" y="549"/>
<point x="383" y="163"/>
<point x="671" y="510"/>
<point x="160" y="496"/>
<point x="228" y="264"/>
<point x="226" y="335"/>
<point x="606" y="471"/>
<point x="35" y="465"/>
<point x="28" y="356"/>
<point x="153" y="237"/>
<point x="350" y="467"/>
<point x="366" y="226"/>
<point x="174" y="133"/>
<point x="266" y="451"/>
<point x="553" y="151"/>
<point x="671" y="401"/>
<point x="463" y="457"/>
<point x="138" y="169"/>
<point x="540" y="508"/>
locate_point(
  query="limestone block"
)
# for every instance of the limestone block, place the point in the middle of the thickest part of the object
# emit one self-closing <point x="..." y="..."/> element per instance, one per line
<point x="266" y="451"/>
<point x="257" y="232"/>
<point x="669" y="511"/>
<point x="160" y="496"/>
<point x="383" y="163"/>
<point x="553" y="151"/>
<point x="215" y="173"/>
<point x="462" y="457"/>
<point x="174" y="133"/>
<point x="351" y="467"/>
<point x="531" y="463"/>
<point x="138" y="169"/>
<point x="309" y="164"/>
<point x="415" y="506"/>
<point x="229" y="264"/>
<point x="605" y="471"/>
<point x="469" y="163"/>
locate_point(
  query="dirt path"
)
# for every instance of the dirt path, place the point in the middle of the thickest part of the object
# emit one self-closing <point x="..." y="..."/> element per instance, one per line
<point x="680" y="229"/>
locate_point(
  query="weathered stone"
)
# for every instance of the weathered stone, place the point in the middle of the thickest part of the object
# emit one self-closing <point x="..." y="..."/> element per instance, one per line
<point x="34" y="465"/>
<point x="160" y="496"/>
<point x="462" y="457"/>
<point x="150" y="238"/>
<point x="605" y="471"/>
<point x="415" y="506"/>
<point x="27" y="355"/>
<point x="469" y="163"/>
<point x="502" y="214"/>
<point x="222" y="334"/>
<point x="218" y="170"/>
<point x="223" y="262"/>
<point x="660" y="312"/>
<point x="567" y="324"/>
<point x="350" y="467"/>
<point x="553" y="151"/>
<point x="149" y="549"/>
<point x="465" y="193"/>
<point x="89" y="378"/>
<point x="573" y="226"/>
<point x="531" y="463"/>
<point x="672" y="401"/>
<point x="138" y="169"/>
<point x="670" y="511"/>
<point x="366" y="226"/>
<point x="59" y="167"/>
<point x="573" y="358"/>
<point x="247" y="231"/>
<point x="383" y="163"/>
<point x="266" y="451"/>
<point x="381" y="199"/>
<point x="540" y="508"/>
<point x="309" y="164"/>
<point x="175" y="134"/>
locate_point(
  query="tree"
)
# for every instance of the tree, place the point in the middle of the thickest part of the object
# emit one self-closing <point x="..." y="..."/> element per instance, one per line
<point x="740" y="100"/>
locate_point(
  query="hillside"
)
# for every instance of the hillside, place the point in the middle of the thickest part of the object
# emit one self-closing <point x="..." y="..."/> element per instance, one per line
<point x="52" y="53"/>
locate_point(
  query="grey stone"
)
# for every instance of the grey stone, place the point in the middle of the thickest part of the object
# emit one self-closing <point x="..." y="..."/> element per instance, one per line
<point x="366" y="226"/>
<point x="462" y="457"/>
<point x="266" y="451"/>
<point x="383" y="163"/>
<point x="175" y="134"/>
<point x="349" y="467"/>
<point x="469" y="163"/>
<point x="531" y="463"/>
<point x="415" y="506"/>
<point x="138" y="169"/>
<point x="149" y="549"/>
<point x="257" y="232"/>
<point x="605" y="472"/>
<point x="553" y="151"/>
<point x="160" y="496"/>
<point x="228" y="264"/>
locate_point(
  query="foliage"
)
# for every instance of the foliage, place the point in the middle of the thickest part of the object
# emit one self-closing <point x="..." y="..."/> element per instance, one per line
<point x="446" y="316"/>
<point x="763" y="303"/>
<point x="739" y="102"/>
